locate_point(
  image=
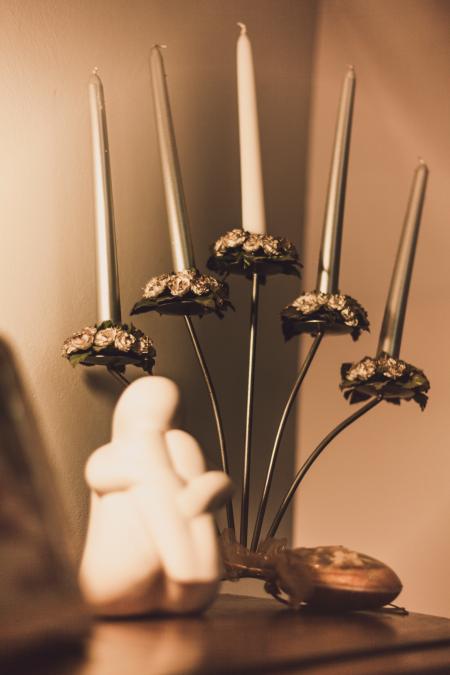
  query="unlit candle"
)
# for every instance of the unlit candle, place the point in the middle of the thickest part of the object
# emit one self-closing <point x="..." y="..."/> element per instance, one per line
<point x="330" y="252"/>
<point x="395" y="311"/>
<point x="108" y="295"/>
<point x="252" y="191"/>
<point x="180" y="237"/>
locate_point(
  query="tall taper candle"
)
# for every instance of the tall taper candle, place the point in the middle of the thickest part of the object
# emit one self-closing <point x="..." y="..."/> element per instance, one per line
<point x="330" y="253"/>
<point x="108" y="295"/>
<point x="180" y="237"/>
<point x="395" y="311"/>
<point x="252" y="192"/>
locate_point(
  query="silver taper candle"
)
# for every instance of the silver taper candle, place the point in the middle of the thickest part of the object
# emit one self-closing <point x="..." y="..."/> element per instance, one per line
<point x="180" y="237"/>
<point x="395" y="311"/>
<point x="330" y="252"/>
<point x="108" y="295"/>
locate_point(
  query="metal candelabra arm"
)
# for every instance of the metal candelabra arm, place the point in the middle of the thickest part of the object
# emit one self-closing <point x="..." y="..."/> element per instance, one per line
<point x="312" y="458"/>
<point x="249" y="409"/>
<point x="216" y="412"/>
<point x="274" y="456"/>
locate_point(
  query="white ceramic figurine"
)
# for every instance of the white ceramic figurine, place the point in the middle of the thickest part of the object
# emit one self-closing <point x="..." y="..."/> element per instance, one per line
<point x="151" y="544"/>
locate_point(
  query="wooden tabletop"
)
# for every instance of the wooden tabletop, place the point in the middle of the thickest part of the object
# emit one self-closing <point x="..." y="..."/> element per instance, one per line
<point x="243" y="635"/>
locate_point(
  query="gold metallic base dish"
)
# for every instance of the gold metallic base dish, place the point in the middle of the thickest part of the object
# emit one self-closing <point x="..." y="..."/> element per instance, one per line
<point x="325" y="578"/>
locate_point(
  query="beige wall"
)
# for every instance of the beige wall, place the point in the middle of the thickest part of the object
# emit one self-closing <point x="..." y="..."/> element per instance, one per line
<point x="47" y="277"/>
<point x="383" y="486"/>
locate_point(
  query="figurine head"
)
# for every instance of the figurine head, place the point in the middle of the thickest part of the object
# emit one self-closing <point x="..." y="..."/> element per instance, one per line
<point x="148" y="404"/>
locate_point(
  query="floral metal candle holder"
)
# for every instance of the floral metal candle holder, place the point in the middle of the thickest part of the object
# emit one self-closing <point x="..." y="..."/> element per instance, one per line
<point x="111" y="345"/>
<point x="242" y="252"/>
<point x="254" y="255"/>
<point x="373" y="380"/>
<point x="317" y="312"/>
<point x="184" y="293"/>
<point x="392" y="379"/>
<point x="327" y="577"/>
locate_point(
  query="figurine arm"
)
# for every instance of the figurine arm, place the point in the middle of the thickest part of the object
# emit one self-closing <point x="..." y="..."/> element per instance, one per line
<point x="205" y="490"/>
<point x="204" y="493"/>
<point x="185" y="454"/>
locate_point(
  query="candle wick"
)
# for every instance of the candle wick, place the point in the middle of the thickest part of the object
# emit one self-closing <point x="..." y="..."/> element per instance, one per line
<point x="421" y="161"/>
<point x="158" y="46"/>
<point x="95" y="70"/>
<point x="351" y="68"/>
<point x="243" y="28"/>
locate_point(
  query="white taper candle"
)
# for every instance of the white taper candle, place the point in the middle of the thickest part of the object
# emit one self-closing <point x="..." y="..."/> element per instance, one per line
<point x="252" y="192"/>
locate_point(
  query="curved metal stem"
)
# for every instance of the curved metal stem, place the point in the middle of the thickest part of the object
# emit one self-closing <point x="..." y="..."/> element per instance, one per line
<point x="249" y="409"/>
<point x="312" y="458"/>
<point x="276" y="446"/>
<point x="216" y="412"/>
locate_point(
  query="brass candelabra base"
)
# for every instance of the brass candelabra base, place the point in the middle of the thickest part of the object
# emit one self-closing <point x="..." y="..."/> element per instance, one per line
<point x="325" y="578"/>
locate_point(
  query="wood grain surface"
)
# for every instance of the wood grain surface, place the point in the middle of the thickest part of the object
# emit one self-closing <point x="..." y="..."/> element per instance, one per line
<point x="240" y="634"/>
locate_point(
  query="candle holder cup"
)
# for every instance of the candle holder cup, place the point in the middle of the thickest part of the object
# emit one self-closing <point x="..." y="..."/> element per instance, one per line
<point x="112" y="345"/>
<point x="331" y="313"/>
<point x="246" y="253"/>
<point x="185" y="293"/>
<point x="390" y="378"/>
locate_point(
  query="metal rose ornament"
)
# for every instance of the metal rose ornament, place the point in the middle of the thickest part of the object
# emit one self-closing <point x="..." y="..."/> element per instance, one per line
<point x="112" y="345"/>
<point x="392" y="379"/>
<point x="241" y="252"/>
<point x="185" y="293"/>
<point x="331" y="313"/>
